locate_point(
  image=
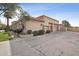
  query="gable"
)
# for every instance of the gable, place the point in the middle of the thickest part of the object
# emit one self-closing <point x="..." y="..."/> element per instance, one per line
<point x="47" y="19"/>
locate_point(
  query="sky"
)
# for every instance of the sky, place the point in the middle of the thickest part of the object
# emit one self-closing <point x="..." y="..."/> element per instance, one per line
<point x="59" y="11"/>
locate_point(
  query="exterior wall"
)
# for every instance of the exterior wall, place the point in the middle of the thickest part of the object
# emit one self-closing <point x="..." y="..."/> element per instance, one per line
<point x="55" y="28"/>
<point x="1" y="26"/>
<point x="36" y="25"/>
<point x="16" y="25"/>
<point x="46" y="28"/>
<point x="33" y="25"/>
<point x="48" y="24"/>
<point x="61" y="28"/>
<point x="53" y="24"/>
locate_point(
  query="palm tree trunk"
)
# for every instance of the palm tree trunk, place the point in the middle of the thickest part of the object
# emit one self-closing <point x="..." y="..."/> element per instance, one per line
<point x="7" y="23"/>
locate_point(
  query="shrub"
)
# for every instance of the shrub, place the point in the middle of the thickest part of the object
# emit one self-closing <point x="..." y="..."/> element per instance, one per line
<point x="18" y="31"/>
<point x="29" y="31"/>
<point x="35" y="33"/>
<point x="40" y="32"/>
<point x="48" y="31"/>
<point x="1" y="29"/>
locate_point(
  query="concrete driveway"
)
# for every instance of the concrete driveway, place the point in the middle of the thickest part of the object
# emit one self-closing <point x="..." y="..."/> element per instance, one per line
<point x="53" y="44"/>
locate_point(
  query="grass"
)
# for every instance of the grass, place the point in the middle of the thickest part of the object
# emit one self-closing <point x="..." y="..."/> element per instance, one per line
<point x="4" y="36"/>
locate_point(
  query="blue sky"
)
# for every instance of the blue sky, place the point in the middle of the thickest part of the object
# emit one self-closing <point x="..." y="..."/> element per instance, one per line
<point x="59" y="11"/>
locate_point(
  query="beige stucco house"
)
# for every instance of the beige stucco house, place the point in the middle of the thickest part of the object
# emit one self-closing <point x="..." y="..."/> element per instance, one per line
<point x="2" y="26"/>
<point x="39" y="23"/>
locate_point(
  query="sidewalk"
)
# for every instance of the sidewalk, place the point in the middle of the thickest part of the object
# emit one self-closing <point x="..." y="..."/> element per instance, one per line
<point x="5" y="48"/>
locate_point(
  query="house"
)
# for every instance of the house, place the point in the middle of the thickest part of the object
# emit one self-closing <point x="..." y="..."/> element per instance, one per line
<point x="2" y="26"/>
<point x="62" y="27"/>
<point x="15" y="25"/>
<point x="39" y="23"/>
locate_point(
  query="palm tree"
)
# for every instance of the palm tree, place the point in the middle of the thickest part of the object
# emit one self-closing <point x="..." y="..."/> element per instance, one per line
<point x="8" y="11"/>
<point x="8" y="16"/>
<point x="8" y="6"/>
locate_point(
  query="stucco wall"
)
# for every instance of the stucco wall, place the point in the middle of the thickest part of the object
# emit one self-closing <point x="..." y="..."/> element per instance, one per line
<point x="49" y="20"/>
<point x="36" y="25"/>
<point x="33" y="25"/>
<point x="16" y="25"/>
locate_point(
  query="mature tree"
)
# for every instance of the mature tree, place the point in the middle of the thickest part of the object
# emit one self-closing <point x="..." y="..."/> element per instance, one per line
<point x="8" y="6"/>
<point x="8" y="10"/>
<point x="66" y="23"/>
<point x="24" y="16"/>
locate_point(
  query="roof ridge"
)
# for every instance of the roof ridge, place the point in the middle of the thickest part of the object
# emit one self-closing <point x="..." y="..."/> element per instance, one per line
<point x="47" y="17"/>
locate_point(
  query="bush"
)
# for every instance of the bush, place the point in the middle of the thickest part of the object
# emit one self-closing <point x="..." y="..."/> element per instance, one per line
<point x="35" y="33"/>
<point x="48" y="31"/>
<point x="40" y="32"/>
<point x="29" y="31"/>
<point x="18" y="31"/>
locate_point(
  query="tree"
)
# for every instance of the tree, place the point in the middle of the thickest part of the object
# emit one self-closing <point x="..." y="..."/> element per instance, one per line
<point x="24" y="16"/>
<point x="8" y="6"/>
<point x="8" y="10"/>
<point x="8" y="16"/>
<point x="66" y="23"/>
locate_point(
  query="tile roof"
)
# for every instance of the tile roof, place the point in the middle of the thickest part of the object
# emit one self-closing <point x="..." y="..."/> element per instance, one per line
<point x="44" y="16"/>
